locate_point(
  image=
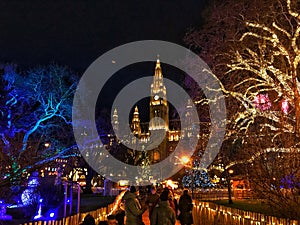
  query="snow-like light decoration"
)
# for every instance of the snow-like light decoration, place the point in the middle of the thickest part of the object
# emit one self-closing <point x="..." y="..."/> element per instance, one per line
<point x="284" y="104"/>
<point x="262" y="102"/>
<point x="33" y="183"/>
<point x="29" y="196"/>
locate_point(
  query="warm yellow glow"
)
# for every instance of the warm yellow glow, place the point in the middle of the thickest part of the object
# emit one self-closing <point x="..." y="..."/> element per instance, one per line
<point x="185" y="159"/>
<point x="274" y="43"/>
<point x="47" y="144"/>
<point x="267" y="56"/>
<point x="172" y="184"/>
<point x="123" y="183"/>
<point x="117" y="203"/>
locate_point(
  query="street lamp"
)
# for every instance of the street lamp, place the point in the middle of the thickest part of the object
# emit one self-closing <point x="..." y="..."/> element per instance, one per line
<point x="185" y="160"/>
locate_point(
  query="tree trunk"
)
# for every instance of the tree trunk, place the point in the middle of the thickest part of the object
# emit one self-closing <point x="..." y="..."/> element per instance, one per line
<point x="228" y="179"/>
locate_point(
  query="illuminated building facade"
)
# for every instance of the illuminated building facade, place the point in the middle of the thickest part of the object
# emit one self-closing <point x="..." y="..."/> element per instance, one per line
<point x="158" y="108"/>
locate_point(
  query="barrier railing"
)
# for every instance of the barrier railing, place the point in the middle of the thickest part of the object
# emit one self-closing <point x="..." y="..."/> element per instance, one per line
<point x="204" y="213"/>
<point x="208" y="213"/>
<point x="99" y="215"/>
<point x="219" y="194"/>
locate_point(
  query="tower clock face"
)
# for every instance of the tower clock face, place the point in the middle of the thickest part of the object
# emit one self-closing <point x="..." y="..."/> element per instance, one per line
<point x="156" y="97"/>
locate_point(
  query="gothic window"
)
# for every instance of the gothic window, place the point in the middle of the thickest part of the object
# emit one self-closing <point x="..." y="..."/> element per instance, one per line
<point x="156" y="155"/>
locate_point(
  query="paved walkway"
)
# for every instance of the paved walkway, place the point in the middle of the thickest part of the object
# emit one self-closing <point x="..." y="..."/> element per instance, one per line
<point x="146" y="219"/>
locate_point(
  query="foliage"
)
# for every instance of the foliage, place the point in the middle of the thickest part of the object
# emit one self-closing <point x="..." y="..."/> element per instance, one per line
<point x="197" y="178"/>
<point x="35" y="109"/>
<point x="253" y="48"/>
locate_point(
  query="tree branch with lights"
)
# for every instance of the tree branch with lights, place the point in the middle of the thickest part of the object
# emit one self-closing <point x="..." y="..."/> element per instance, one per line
<point x="258" y="68"/>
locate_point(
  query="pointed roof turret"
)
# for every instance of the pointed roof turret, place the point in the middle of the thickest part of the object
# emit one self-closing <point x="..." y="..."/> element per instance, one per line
<point x="136" y="110"/>
<point x="135" y="125"/>
<point x="158" y="72"/>
<point x="136" y="117"/>
<point x="115" y="120"/>
<point x="115" y="115"/>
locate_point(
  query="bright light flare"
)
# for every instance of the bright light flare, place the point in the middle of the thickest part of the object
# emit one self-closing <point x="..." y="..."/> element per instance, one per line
<point x="185" y="159"/>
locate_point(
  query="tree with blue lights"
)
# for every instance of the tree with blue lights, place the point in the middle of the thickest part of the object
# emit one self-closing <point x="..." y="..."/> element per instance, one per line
<point x="35" y="109"/>
<point x="195" y="176"/>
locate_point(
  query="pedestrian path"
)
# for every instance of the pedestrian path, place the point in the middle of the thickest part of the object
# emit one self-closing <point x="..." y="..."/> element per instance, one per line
<point x="146" y="219"/>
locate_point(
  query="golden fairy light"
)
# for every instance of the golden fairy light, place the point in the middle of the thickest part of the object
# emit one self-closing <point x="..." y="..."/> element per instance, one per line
<point x="271" y="68"/>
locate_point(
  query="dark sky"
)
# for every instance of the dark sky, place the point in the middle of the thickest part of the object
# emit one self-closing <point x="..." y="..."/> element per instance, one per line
<point x="75" y="33"/>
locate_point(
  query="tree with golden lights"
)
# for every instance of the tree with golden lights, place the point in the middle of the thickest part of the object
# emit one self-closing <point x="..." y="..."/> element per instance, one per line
<point x="258" y="68"/>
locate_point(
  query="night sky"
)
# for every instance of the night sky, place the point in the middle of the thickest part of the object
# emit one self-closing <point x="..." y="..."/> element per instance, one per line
<point x="74" y="33"/>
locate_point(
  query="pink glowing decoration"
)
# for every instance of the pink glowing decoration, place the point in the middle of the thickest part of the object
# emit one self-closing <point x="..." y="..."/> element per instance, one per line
<point x="262" y="102"/>
<point x="285" y="106"/>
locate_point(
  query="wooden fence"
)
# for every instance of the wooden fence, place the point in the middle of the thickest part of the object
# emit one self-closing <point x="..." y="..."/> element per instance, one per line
<point x="204" y="213"/>
<point x="207" y="213"/>
<point x="218" y="194"/>
<point x="99" y="215"/>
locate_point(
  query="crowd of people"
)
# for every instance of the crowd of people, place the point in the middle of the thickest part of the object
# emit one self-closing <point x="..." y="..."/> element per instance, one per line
<point x="89" y="220"/>
<point x="163" y="209"/>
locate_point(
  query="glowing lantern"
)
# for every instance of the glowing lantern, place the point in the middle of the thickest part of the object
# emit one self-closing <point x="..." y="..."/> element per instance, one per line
<point x="262" y="102"/>
<point x="285" y="106"/>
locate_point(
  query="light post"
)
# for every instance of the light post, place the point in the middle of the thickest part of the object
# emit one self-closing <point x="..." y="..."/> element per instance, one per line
<point x="228" y="175"/>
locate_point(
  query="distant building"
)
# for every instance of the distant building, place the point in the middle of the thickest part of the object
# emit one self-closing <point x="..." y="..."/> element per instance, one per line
<point x="158" y="108"/>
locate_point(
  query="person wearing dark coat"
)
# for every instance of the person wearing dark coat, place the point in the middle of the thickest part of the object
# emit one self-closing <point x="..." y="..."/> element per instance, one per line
<point x="133" y="208"/>
<point x="163" y="214"/>
<point x="152" y="200"/>
<point x="185" y="207"/>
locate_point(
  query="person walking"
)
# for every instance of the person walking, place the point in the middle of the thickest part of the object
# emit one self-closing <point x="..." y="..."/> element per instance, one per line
<point x="163" y="214"/>
<point x="172" y="200"/>
<point x="152" y="200"/>
<point x="185" y="207"/>
<point x="133" y="208"/>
